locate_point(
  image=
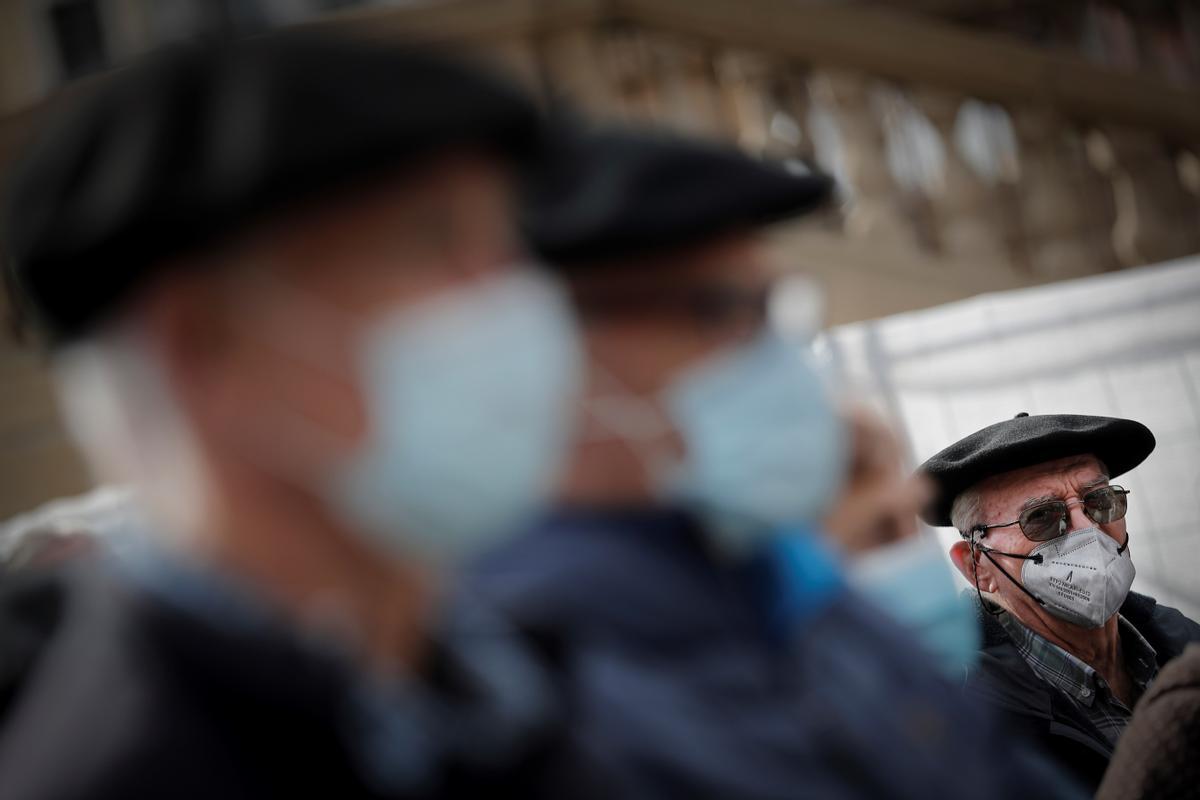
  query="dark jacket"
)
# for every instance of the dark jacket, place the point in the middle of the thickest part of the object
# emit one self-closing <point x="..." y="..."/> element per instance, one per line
<point x="679" y="676"/>
<point x="111" y="691"/>
<point x="1045" y="716"/>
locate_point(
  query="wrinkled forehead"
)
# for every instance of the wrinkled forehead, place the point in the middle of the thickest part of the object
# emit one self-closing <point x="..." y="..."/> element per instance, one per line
<point x="1060" y="479"/>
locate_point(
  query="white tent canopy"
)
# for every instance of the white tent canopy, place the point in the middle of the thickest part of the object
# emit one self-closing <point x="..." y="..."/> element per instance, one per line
<point x="1124" y="344"/>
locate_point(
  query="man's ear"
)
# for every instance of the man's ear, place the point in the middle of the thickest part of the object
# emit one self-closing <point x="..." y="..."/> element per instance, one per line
<point x="180" y="312"/>
<point x="969" y="561"/>
<point x="186" y="316"/>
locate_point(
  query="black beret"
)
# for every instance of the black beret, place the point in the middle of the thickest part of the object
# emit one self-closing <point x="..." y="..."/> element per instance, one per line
<point x="195" y="143"/>
<point x="604" y="194"/>
<point x="1027" y="440"/>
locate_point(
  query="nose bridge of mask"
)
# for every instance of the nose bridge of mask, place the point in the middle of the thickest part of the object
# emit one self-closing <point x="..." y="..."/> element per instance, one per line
<point x="1070" y="549"/>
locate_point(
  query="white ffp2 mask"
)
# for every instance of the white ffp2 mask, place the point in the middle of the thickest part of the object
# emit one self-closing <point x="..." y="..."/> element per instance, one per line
<point x="1082" y="577"/>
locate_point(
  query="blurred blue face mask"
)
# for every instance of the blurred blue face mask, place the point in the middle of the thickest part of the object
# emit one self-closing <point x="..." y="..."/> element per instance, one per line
<point x="471" y="398"/>
<point x="912" y="580"/>
<point x="764" y="445"/>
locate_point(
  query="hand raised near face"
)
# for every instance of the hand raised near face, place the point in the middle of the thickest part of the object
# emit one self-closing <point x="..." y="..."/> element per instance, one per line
<point x="879" y="500"/>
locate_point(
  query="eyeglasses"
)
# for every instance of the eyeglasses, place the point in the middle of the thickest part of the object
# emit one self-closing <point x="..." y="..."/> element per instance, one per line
<point x="1048" y="520"/>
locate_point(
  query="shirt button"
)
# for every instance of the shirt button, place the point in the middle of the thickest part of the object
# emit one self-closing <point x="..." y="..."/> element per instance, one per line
<point x="1085" y="692"/>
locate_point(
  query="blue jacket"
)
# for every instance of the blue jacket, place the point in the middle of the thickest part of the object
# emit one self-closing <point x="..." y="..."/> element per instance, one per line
<point x="682" y="680"/>
<point x="112" y="687"/>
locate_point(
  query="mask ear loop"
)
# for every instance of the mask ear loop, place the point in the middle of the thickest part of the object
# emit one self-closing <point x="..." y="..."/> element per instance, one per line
<point x="975" y="570"/>
<point x="622" y="414"/>
<point x="987" y="551"/>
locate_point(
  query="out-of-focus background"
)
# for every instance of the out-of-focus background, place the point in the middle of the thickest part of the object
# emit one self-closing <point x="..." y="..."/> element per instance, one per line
<point x="1031" y="152"/>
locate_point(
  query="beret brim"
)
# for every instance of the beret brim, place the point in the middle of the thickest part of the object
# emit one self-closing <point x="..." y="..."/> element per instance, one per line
<point x="1026" y="441"/>
<point x="608" y="194"/>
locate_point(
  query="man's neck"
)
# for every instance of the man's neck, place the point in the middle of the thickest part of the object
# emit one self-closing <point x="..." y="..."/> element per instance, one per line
<point x="285" y="544"/>
<point x="1099" y="648"/>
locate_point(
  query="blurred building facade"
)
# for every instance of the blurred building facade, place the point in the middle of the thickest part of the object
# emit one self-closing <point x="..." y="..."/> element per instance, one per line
<point x="980" y="145"/>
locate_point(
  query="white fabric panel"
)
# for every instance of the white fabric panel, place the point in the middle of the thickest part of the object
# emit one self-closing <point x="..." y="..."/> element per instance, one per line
<point x="1123" y="344"/>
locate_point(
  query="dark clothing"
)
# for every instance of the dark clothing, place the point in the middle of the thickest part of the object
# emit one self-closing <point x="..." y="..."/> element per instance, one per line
<point x="113" y="690"/>
<point x="1079" y="681"/>
<point x="1045" y="715"/>
<point x="1157" y="759"/>
<point x="680" y="676"/>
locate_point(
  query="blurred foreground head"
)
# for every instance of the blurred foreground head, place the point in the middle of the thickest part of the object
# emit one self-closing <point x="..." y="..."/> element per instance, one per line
<point x="700" y="395"/>
<point x="280" y="280"/>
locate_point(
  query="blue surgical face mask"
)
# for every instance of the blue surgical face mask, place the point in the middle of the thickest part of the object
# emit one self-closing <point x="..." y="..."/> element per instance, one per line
<point x="912" y="580"/>
<point x="765" y="448"/>
<point x="470" y="398"/>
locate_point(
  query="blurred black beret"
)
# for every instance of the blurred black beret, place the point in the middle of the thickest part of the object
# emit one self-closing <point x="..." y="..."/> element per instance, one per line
<point x="1025" y="441"/>
<point x="604" y="194"/>
<point x="196" y="143"/>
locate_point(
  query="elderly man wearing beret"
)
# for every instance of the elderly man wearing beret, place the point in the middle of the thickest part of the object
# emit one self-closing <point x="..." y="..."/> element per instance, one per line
<point x="283" y="292"/>
<point x="1068" y="648"/>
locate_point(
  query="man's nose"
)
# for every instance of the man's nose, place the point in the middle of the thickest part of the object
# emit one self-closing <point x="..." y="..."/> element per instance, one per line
<point x="1077" y="519"/>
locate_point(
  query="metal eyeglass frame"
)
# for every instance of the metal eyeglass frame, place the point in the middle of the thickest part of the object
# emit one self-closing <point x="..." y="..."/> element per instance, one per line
<point x="1062" y="523"/>
<point x="1037" y="559"/>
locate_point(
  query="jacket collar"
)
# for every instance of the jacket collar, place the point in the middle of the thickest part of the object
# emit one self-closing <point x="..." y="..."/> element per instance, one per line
<point x="1003" y="679"/>
<point x="1139" y="609"/>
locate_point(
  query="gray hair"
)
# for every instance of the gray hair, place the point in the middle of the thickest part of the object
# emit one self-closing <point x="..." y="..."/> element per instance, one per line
<point x="121" y="411"/>
<point x="964" y="513"/>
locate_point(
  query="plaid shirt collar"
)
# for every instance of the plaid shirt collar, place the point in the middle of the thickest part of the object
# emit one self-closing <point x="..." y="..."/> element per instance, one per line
<point x="1070" y="674"/>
